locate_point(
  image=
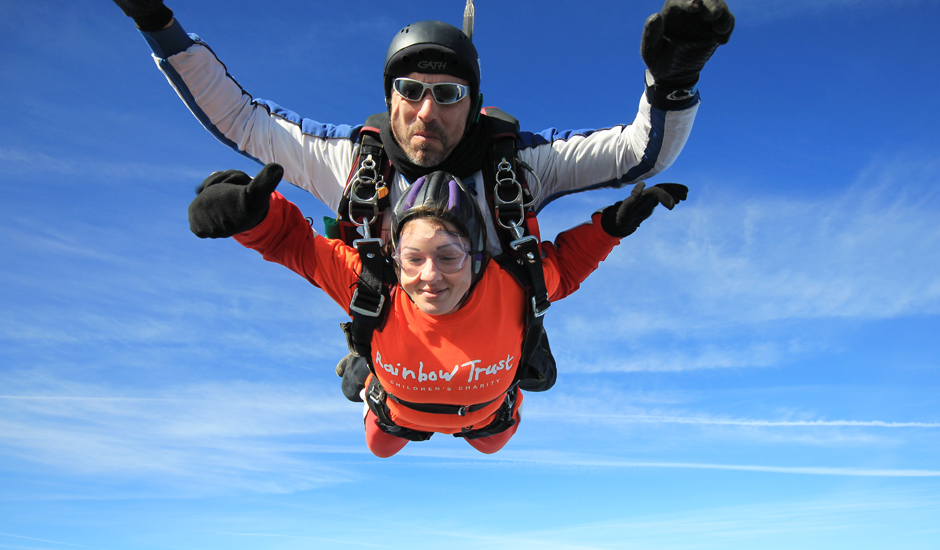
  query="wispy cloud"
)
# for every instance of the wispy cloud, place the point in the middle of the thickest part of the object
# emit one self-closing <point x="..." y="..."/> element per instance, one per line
<point x="548" y="458"/>
<point x="806" y="523"/>
<point x="169" y="296"/>
<point x="590" y="360"/>
<point x="755" y="271"/>
<point x="778" y="258"/>
<point x="707" y="421"/>
<point x="228" y="435"/>
<point x="38" y="540"/>
<point x="105" y="172"/>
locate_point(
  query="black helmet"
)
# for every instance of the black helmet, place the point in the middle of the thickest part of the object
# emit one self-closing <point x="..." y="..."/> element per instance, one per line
<point x="432" y="47"/>
<point x="444" y="192"/>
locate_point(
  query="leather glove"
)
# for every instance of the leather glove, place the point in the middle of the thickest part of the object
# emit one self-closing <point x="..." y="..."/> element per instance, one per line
<point x="150" y="15"/>
<point x="678" y="41"/>
<point x="354" y="370"/>
<point x="228" y="203"/>
<point x="623" y="218"/>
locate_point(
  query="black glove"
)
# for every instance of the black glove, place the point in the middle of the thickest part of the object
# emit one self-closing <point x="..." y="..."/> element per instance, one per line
<point x="623" y="218"/>
<point x="678" y="41"/>
<point x="354" y="370"/>
<point x="228" y="203"/>
<point x="150" y="15"/>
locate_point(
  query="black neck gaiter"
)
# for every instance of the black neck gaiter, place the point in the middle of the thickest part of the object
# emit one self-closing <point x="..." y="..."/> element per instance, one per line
<point x="465" y="160"/>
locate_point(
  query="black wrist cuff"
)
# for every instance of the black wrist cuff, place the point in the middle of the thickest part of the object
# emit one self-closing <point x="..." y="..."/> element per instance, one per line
<point x="154" y="21"/>
<point x="609" y="221"/>
<point x="670" y="95"/>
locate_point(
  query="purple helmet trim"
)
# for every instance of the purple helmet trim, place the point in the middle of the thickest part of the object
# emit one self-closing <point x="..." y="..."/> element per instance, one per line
<point x="409" y="200"/>
<point x="453" y="197"/>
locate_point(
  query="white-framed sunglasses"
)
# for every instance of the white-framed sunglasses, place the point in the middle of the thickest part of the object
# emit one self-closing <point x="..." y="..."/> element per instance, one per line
<point x="444" y="93"/>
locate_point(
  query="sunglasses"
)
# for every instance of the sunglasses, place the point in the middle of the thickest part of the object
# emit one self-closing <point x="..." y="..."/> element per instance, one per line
<point x="444" y="93"/>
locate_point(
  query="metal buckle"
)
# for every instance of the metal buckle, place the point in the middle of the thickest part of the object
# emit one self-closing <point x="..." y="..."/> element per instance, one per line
<point x="366" y="312"/>
<point x="505" y="179"/>
<point x="366" y="240"/>
<point x="518" y="243"/>
<point x="535" y="308"/>
<point x="530" y="256"/>
<point x="538" y="181"/>
<point x="367" y="174"/>
<point x="376" y="393"/>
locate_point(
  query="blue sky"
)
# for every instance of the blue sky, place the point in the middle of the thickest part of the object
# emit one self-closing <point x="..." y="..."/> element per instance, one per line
<point x="754" y="369"/>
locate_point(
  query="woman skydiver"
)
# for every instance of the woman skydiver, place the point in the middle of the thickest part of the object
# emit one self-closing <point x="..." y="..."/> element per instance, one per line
<point x="445" y="359"/>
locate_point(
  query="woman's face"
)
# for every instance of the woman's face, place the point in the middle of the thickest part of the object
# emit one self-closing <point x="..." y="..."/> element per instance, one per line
<point x="426" y="250"/>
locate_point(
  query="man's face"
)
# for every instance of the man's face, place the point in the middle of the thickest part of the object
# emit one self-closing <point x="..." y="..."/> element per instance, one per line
<point x="427" y="131"/>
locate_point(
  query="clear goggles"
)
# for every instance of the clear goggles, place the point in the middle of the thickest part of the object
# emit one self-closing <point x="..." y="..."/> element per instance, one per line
<point x="447" y="258"/>
<point x="444" y="93"/>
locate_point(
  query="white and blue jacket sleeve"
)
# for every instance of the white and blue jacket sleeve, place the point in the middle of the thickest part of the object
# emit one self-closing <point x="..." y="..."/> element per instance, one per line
<point x="318" y="157"/>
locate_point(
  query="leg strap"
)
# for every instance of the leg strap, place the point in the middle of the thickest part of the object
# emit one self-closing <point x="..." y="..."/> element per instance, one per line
<point x="375" y="398"/>
<point x="500" y="424"/>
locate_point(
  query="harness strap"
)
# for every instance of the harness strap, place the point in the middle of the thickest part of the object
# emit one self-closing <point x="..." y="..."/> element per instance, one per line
<point x="366" y="195"/>
<point x="508" y="199"/>
<point x="503" y="419"/>
<point x="434" y="408"/>
<point x="367" y="304"/>
<point x="531" y="258"/>
<point x="376" y="399"/>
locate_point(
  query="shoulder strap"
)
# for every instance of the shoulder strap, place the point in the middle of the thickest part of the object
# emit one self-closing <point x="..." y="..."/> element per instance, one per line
<point x="366" y="195"/>
<point x="507" y="193"/>
<point x="373" y="290"/>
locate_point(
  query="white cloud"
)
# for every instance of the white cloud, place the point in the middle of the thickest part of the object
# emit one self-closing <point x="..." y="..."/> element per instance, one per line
<point x="109" y="172"/>
<point x="807" y="523"/>
<point x="250" y="436"/>
<point x="732" y="280"/>
<point x="741" y="422"/>
<point x="548" y="458"/>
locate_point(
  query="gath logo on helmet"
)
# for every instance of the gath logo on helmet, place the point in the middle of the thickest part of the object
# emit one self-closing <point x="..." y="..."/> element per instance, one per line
<point x="432" y="47"/>
<point x="433" y="66"/>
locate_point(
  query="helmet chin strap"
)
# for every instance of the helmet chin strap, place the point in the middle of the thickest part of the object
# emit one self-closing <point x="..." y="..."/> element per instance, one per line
<point x="476" y="111"/>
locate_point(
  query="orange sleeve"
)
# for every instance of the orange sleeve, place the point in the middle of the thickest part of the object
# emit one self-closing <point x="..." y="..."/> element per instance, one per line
<point x="285" y="237"/>
<point x="573" y="256"/>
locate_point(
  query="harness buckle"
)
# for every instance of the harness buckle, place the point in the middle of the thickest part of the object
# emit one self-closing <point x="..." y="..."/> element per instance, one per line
<point x="535" y="308"/>
<point x="376" y="393"/>
<point x="506" y="182"/>
<point x="367" y="239"/>
<point x="524" y="241"/>
<point x="366" y="174"/>
<point x="363" y="311"/>
<point x="527" y="247"/>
